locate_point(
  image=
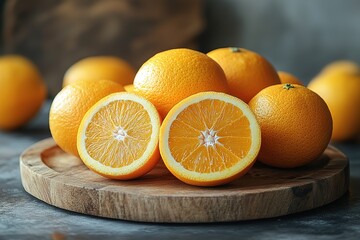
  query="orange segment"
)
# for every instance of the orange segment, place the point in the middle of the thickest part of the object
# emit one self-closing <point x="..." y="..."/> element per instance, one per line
<point x="118" y="136"/>
<point x="209" y="139"/>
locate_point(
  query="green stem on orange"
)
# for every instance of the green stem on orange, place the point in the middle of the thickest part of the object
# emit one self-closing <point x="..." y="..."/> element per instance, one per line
<point x="287" y="86"/>
<point x="235" y="49"/>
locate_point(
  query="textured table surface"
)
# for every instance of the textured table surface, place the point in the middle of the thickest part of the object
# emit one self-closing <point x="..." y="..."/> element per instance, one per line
<point x="25" y="217"/>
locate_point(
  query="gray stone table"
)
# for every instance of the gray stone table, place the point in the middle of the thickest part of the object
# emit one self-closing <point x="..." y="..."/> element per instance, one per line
<point x="25" y="217"/>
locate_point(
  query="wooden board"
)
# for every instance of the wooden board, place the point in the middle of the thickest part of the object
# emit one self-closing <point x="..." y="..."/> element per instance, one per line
<point x="62" y="180"/>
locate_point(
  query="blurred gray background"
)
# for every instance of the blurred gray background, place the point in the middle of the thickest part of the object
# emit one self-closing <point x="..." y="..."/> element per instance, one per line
<point x="298" y="36"/>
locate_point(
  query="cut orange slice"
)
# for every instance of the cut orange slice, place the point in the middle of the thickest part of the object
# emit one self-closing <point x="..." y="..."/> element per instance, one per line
<point x="209" y="139"/>
<point x="118" y="136"/>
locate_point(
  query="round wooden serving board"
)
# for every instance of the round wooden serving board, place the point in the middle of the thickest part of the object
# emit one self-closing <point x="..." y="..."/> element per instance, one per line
<point x="62" y="180"/>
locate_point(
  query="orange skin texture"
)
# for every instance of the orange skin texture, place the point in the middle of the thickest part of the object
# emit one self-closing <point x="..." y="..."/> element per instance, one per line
<point x="69" y="107"/>
<point x="286" y="77"/>
<point x="170" y="76"/>
<point x="22" y="91"/>
<point x="341" y="92"/>
<point x="296" y="125"/>
<point x="247" y="72"/>
<point x="100" y="67"/>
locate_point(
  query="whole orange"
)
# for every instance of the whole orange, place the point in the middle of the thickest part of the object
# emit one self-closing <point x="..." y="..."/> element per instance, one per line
<point x="341" y="92"/>
<point x="22" y="91"/>
<point x="100" y="67"/>
<point x="286" y="77"/>
<point x="170" y="76"/>
<point x="295" y="124"/>
<point x="247" y="72"/>
<point x="70" y="105"/>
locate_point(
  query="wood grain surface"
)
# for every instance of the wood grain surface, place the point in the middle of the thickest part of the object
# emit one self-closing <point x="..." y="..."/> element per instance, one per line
<point x="61" y="180"/>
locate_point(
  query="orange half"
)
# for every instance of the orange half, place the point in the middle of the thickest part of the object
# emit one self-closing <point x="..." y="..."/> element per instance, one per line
<point x="209" y="139"/>
<point x="118" y="136"/>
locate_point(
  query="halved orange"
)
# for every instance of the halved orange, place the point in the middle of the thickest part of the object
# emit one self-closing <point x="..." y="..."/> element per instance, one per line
<point x="209" y="139"/>
<point x="118" y="136"/>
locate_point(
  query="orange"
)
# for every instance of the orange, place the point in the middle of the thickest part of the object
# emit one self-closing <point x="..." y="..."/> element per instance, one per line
<point x="295" y="125"/>
<point x="100" y="67"/>
<point x="341" y="92"/>
<point x="118" y="136"/>
<point x="70" y="105"/>
<point x="209" y="139"/>
<point x="22" y="91"/>
<point x="286" y="77"/>
<point x="341" y="66"/>
<point x="247" y="72"/>
<point x="170" y="76"/>
<point x="129" y="88"/>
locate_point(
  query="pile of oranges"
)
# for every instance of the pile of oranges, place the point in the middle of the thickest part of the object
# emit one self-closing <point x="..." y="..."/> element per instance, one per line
<point x="208" y="117"/>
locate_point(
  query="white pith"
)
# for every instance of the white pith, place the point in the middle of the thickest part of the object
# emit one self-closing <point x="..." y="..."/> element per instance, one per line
<point x="120" y="133"/>
<point x="209" y="138"/>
